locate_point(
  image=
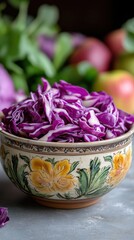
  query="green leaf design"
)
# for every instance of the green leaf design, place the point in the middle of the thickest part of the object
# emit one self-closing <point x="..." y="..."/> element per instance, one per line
<point x="94" y="169"/>
<point x="65" y="196"/>
<point x="99" y="192"/>
<point x="20" y="174"/>
<point x="11" y="174"/>
<point x="25" y="181"/>
<point x="15" y="163"/>
<point x="108" y="158"/>
<point x="93" y="180"/>
<point x="60" y="196"/>
<point x="99" y="180"/>
<point x="25" y="158"/>
<point x="73" y="166"/>
<point x="51" y="160"/>
<point x="11" y="169"/>
<point x="36" y="193"/>
<point x="17" y="173"/>
<point x="83" y="180"/>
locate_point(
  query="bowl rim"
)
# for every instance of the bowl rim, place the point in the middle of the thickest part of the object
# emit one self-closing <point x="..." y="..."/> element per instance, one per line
<point x="124" y="136"/>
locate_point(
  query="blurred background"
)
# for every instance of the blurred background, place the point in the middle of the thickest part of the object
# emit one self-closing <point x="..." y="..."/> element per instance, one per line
<point x="88" y="43"/>
<point x="91" y="17"/>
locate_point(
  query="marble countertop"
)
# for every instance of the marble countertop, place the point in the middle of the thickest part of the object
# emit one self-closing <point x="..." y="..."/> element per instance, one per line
<point x="112" y="218"/>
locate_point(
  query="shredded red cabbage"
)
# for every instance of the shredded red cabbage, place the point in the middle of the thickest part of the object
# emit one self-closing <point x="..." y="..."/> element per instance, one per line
<point x="66" y="113"/>
<point x="4" y="218"/>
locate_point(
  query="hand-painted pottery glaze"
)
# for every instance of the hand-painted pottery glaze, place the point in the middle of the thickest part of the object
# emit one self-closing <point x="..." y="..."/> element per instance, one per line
<point x="66" y="175"/>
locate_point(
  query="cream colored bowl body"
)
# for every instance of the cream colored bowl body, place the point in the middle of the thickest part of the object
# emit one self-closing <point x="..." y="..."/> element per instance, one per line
<point x="66" y="175"/>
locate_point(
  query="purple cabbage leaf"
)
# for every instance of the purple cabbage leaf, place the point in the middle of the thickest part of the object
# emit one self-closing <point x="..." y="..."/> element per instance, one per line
<point x="4" y="218"/>
<point x="66" y="113"/>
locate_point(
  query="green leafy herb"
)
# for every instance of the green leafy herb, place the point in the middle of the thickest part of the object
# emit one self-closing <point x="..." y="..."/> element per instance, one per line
<point x="129" y="39"/>
<point x="63" y="49"/>
<point x="22" y="57"/>
<point x="82" y="74"/>
<point x="19" y="44"/>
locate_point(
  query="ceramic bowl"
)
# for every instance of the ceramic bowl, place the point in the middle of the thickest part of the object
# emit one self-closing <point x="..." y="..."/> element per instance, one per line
<point x="66" y="175"/>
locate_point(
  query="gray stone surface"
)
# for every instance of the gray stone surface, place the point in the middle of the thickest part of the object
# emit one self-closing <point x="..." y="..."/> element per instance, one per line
<point x="110" y="219"/>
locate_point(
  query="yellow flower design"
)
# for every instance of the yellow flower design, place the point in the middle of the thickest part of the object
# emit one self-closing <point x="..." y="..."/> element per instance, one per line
<point x="48" y="178"/>
<point x="121" y="164"/>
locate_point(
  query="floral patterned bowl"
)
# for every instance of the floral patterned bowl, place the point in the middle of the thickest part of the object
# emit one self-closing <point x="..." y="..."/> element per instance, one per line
<point x="66" y="175"/>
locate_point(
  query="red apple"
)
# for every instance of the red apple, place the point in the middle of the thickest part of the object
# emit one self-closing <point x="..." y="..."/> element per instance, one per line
<point x="122" y="58"/>
<point x="120" y="85"/>
<point x="95" y="52"/>
<point x="114" y="41"/>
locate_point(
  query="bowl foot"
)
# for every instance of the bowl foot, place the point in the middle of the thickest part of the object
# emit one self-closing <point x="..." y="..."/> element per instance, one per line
<point x="66" y="204"/>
